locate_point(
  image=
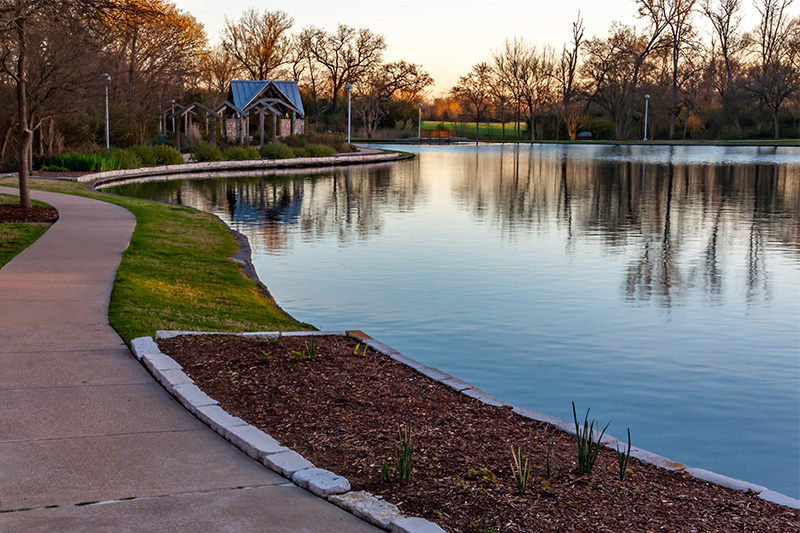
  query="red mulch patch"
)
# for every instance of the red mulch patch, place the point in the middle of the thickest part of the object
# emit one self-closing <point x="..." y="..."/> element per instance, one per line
<point x="342" y="411"/>
<point x="15" y="213"/>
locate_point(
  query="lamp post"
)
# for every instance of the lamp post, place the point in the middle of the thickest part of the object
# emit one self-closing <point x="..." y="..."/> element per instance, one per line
<point x="419" y="122"/>
<point x="106" y="77"/>
<point x="349" y="88"/>
<point x="646" y="108"/>
<point x="172" y="112"/>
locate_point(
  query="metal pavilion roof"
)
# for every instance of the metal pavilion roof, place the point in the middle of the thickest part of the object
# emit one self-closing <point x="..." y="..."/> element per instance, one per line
<point x="246" y="93"/>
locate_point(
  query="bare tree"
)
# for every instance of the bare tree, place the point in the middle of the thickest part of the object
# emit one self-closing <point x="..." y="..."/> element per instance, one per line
<point x="536" y="81"/>
<point x="371" y="102"/>
<point x="508" y="65"/>
<point x="218" y="69"/>
<point x="675" y="15"/>
<point x="612" y="68"/>
<point x="725" y="18"/>
<point x="568" y="62"/>
<point x="566" y="78"/>
<point x="473" y="91"/>
<point x="407" y="81"/>
<point x="501" y="97"/>
<point x="258" y="41"/>
<point x="399" y="81"/>
<point x="310" y="75"/>
<point x="347" y="54"/>
<point x="775" y="76"/>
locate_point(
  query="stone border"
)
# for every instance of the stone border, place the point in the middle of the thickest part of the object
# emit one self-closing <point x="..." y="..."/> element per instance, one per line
<point x="227" y="168"/>
<point x="265" y="449"/>
<point x="337" y="489"/>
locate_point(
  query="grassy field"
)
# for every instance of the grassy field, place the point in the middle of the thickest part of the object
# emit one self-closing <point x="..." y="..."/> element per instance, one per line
<point x="15" y="237"/>
<point x="493" y="132"/>
<point x="489" y="131"/>
<point x="176" y="273"/>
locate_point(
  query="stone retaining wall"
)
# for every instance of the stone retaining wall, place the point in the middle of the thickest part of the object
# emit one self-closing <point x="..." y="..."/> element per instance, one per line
<point x="218" y="168"/>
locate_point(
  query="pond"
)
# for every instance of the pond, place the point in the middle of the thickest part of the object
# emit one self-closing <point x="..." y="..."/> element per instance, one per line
<point x="659" y="286"/>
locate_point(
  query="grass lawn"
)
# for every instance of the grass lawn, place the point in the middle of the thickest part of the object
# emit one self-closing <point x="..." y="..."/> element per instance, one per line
<point x="493" y="131"/>
<point x="489" y="131"/>
<point x="176" y="273"/>
<point x="15" y="237"/>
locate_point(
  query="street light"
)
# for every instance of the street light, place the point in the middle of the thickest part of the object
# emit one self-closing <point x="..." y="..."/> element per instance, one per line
<point x="419" y="122"/>
<point x="646" y="107"/>
<point x="106" y="77"/>
<point x="349" y="88"/>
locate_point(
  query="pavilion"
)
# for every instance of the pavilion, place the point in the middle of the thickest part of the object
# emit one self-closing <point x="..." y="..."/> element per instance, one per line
<point x="280" y="99"/>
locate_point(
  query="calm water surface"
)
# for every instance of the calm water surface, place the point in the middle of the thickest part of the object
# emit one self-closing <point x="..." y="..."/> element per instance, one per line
<point x="659" y="286"/>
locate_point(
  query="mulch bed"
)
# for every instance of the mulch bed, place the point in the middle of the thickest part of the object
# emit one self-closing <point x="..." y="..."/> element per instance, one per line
<point x="342" y="412"/>
<point x="15" y="213"/>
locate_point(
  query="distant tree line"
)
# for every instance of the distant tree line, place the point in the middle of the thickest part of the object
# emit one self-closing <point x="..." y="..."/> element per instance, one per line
<point x="732" y="83"/>
<point x="735" y="82"/>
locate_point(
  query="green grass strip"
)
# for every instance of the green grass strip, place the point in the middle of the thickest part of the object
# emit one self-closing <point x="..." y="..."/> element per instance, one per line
<point x="15" y="237"/>
<point x="176" y="273"/>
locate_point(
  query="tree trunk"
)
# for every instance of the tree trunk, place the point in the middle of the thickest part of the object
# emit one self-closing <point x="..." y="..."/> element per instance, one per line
<point x="731" y="97"/>
<point x="674" y="110"/>
<point x="25" y="134"/>
<point x="775" y="121"/>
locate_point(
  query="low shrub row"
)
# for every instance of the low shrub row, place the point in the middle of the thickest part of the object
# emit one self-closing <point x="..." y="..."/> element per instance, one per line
<point x="279" y="150"/>
<point x="314" y="145"/>
<point x="305" y="145"/>
<point x="105" y="160"/>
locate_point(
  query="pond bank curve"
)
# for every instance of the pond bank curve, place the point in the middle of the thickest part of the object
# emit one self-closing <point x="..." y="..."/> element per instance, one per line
<point x="223" y="168"/>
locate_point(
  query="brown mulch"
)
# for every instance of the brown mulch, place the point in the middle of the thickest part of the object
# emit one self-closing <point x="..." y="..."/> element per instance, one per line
<point x="15" y="213"/>
<point x="341" y="411"/>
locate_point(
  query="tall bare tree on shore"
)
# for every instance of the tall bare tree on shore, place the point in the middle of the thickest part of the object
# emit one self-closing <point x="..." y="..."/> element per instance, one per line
<point x="566" y="77"/>
<point x="507" y="64"/>
<point x="537" y="78"/>
<point x="347" y="54"/>
<point x="473" y="90"/>
<point x="725" y="17"/>
<point x="259" y="42"/>
<point x="775" y="75"/>
<point x="675" y="17"/>
<point x="612" y="70"/>
<point x="399" y="80"/>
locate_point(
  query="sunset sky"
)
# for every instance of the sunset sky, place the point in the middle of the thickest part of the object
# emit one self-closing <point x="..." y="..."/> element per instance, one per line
<point x="444" y="36"/>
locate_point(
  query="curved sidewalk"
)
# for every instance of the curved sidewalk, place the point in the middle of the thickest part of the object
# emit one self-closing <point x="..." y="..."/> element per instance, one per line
<point x="82" y="421"/>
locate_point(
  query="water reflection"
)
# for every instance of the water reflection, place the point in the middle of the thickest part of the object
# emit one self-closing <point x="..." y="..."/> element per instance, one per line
<point x="673" y="212"/>
<point x="674" y="220"/>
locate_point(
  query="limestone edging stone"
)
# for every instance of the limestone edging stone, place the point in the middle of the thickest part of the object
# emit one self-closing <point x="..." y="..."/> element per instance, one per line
<point x="323" y="483"/>
<point x="412" y="524"/>
<point x="367" y="507"/>
<point x="254" y="442"/>
<point x="287" y="463"/>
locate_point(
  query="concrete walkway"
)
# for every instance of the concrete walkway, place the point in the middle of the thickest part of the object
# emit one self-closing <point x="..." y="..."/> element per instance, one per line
<point x="82" y="421"/>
